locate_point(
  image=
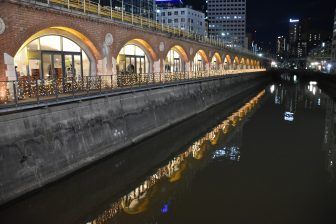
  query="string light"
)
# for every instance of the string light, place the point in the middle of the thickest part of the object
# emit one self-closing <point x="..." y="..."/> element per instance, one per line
<point x="28" y="90"/>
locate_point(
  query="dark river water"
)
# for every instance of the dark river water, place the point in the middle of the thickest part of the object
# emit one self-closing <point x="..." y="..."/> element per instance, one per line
<point x="267" y="156"/>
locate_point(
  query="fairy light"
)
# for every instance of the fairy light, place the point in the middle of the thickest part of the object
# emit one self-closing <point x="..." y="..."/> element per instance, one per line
<point x="45" y="89"/>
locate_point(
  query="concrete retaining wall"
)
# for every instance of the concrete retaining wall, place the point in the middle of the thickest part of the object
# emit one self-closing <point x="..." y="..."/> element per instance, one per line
<point x="41" y="146"/>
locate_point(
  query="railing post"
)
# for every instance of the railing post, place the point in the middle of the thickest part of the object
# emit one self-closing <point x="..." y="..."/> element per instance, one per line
<point x="37" y="91"/>
<point x="68" y="4"/>
<point x="29" y="86"/>
<point x="122" y="11"/>
<point x="56" y="89"/>
<point x="87" y="85"/>
<point x="72" y="87"/>
<point x="84" y="7"/>
<point x="15" y="94"/>
<point x="100" y="84"/>
<point x="111" y="12"/>
<point x="112" y="81"/>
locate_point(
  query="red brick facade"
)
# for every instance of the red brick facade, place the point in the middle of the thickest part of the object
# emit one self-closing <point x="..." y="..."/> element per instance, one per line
<point x="23" y="21"/>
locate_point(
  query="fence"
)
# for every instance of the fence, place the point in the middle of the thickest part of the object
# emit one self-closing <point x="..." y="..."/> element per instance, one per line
<point x="30" y="91"/>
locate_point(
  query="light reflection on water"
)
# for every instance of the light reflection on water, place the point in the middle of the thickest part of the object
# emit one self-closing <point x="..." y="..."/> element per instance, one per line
<point x="138" y="200"/>
<point x="295" y="104"/>
<point x="271" y="161"/>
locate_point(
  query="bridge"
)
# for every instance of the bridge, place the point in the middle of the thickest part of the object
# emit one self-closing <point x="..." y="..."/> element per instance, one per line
<point x="79" y="81"/>
<point x="54" y="50"/>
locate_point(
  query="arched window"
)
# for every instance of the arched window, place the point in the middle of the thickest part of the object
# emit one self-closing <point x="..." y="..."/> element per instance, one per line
<point x="50" y="57"/>
<point x="214" y="63"/>
<point x="173" y="62"/>
<point x="199" y="64"/>
<point x="132" y="59"/>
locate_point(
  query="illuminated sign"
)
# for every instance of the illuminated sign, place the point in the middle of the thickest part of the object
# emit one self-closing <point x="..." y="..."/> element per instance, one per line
<point x="289" y="116"/>
<point x="294" y="20"/>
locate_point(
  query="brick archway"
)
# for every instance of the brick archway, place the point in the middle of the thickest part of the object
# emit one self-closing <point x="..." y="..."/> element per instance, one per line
<point x="203" y="55"/>
<point x="218" y="58"/>
<point x="183" y="54"/>
<point x="143" y="44"/>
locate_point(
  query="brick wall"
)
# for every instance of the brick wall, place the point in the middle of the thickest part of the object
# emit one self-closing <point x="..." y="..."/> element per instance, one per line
<point x="23" y="21"/>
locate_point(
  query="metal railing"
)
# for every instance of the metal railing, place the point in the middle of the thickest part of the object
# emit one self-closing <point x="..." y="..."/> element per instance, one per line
<point x="30" y="91"/>
<point x="94" y="8"/>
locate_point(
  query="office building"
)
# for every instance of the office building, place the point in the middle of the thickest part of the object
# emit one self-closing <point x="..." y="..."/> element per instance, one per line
<point x="294" y="36"/>
<point x="186" y="19"/>
<point x="281" y="47"/>
<point x="227" y="21"/>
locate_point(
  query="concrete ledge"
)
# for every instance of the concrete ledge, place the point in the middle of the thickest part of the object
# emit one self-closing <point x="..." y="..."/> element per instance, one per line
<point x="43" y="145"/>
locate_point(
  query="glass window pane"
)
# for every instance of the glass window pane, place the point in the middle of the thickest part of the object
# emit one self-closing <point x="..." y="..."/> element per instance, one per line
<point x="29" y="61"/>
<point x="68" y="65"/>
<point x="69" y="45"/>
<point x="58" y="68"/>
<point x="34" y="66"/>
<point x="77" y="67"/>
<point x="129" y="50"/>
<point x="139" y="51"/>
<point x="50" y="43"/>
<point x="136" y="59"/>
<point x="47" y="71"/>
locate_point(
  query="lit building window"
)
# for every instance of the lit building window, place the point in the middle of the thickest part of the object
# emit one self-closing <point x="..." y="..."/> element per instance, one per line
<point x="214" y="63"/>
<point x="173" y="62"/>
<point x="52" y="57"/>
<point x="132" y="59"/>
<point x="199" y="63"/>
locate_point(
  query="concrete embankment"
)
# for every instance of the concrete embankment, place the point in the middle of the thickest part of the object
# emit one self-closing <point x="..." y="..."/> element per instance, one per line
<point x="40" y="146"/>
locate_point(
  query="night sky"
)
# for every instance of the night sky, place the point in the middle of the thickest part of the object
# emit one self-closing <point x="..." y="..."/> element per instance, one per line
<point x="270" y="17"/>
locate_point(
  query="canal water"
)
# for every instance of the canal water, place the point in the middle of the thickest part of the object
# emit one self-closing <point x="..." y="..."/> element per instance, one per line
<point x="267" y="156"/>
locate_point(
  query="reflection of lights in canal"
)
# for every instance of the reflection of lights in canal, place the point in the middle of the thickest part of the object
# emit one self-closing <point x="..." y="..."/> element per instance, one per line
<point x="231" y="153"/>
<point x="137" y="201"/>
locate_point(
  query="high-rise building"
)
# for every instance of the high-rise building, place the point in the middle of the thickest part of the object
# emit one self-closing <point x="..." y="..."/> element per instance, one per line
<point x="304" y="37"/>
<point x="186" y="19"/>
<point x="281" y="48"/>
<point x="333" y="48"/>
<point x="227" y="21"/>
<point x="294" y="36"/>
<point x="145" y="8"/>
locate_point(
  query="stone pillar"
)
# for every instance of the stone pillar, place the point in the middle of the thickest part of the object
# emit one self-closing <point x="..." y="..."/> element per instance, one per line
<point x="10" y="67"/>
<point x="207" y="66"/>
<point x="114" y="71"/>
<point x="157" y="66"/>
<point x="2" y="53"/>
<point x="99" y="68"/>
<point x="10" y="76"/>
<point x="188" y="69"/>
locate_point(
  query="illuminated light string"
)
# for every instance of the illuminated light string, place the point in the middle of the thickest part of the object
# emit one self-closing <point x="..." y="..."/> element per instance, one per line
<point x="194" y="151"/>
<point x="31" y="89"/>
